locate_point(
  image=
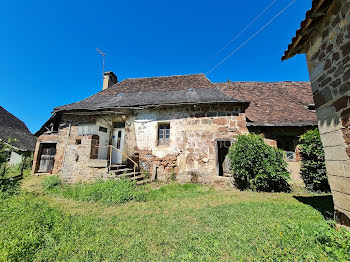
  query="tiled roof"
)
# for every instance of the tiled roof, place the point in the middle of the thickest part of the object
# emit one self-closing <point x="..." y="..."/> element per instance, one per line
<point x="154" y="91"/>
<point x="11" y="126"/>
<point x="313" y="16"/>
<point x="274" y="103"/>
<point x="162" y="83"/>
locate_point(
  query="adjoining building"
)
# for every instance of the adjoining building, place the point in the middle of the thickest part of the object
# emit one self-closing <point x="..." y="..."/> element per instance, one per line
<point x="16" y="134"/>
<point x="175" y="127"/>
<point x="324" y="36"/>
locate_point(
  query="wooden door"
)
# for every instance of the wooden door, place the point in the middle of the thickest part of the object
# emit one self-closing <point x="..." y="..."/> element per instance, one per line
<point x="47" y="158"/>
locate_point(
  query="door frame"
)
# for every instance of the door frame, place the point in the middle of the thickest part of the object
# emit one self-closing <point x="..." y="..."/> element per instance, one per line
<point x="114" y="142"/>
<point x="40" y="151"/>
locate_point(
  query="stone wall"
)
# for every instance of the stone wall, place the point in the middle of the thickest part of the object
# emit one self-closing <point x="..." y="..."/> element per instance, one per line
<point x="194" y="132"/>
<point x="328" y="58"/>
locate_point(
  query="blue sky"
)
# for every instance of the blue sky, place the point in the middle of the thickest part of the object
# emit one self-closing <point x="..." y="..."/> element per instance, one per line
<point x="48" y="48"/>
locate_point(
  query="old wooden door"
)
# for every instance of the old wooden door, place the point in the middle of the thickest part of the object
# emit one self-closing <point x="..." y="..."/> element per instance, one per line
<point x="47" y="158"/>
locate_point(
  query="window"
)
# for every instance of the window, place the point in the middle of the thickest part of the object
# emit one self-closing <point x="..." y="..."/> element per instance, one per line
<point x="86" y="129"/>
<point x="163" y="134"/>
<point x="119" y="124"/>
<point x="290" y="155"/>
<point x="102" y="129"/>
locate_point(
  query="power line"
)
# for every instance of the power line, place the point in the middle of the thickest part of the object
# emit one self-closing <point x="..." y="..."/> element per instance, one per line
<point x="262" y="28"/>
<point x="244" y="29"/>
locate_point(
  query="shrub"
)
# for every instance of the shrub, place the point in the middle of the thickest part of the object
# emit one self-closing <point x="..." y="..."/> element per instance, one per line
<point x="313" y="167"/>
<point x="51" y="182"/>
<point x="258" y="166"/>
<point x="109" y="192"/>
<point x="8" y="187"/>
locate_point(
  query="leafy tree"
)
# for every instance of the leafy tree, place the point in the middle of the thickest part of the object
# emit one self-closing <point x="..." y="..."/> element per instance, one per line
<point x="313" y="167"/>
<point x="258" y="166"/>
<point x="4" y="152"/>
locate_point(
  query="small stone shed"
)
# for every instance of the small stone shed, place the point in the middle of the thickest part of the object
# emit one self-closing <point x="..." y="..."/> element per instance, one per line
<point x="324" y="36"/>
<point x="176" y="126"/>
<point x="21" y="141"/>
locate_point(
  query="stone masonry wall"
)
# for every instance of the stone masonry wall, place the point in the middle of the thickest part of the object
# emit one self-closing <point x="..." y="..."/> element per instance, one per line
<point x="194" y="132"/>
<point x="328" y="60"/>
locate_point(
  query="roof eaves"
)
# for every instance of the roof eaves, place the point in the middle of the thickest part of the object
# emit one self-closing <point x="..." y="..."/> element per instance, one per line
<point x="311" y="16"/>
<point x="283" y="124"/>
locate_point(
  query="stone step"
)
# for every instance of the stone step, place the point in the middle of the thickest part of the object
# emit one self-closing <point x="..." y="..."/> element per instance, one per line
<point x="122" y="170"/>
<point x="114" y="166"/>
<point x="131" y="174"/>
<point x="143" y="181"/>
<point x="138" y="178"/>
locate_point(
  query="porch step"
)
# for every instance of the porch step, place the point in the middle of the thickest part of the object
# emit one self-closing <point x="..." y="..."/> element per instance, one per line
<point x="143" y="181"/>
<point x="121" y="171"/>
<point x="117" y="166"/>
<point x="137" y="178"/>
<point x="131" y="174"/>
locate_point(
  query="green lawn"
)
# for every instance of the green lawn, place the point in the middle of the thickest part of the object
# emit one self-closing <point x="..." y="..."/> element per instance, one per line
<point x="176" y="223"/>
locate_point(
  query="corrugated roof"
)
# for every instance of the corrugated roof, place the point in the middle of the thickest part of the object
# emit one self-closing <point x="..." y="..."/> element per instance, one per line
<point x="274" y="103"/>
<point x="11" y="126"/>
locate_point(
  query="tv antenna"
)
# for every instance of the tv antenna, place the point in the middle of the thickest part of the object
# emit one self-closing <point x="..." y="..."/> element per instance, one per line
<point x="103" y="63"/>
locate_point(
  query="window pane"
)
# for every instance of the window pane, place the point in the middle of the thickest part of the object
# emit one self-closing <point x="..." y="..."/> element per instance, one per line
<point x="86" y="129"/>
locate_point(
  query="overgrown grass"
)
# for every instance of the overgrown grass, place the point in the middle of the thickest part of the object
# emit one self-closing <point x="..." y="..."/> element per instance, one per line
<point x="176" y="190"/>
<point x="108" y="192"/>
<point x="177" y="223"/>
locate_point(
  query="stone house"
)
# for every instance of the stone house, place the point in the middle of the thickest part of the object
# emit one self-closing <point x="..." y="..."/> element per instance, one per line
<point x="324" y="36"/>
<point x="171" y="127"/>
<point x="21" y="141"/>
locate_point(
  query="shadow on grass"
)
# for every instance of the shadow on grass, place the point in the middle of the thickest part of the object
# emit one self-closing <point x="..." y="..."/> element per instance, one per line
<point x="324" y="204"/>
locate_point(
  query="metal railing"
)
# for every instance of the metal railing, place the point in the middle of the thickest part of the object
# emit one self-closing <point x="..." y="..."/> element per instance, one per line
<point x="111" y="147"/>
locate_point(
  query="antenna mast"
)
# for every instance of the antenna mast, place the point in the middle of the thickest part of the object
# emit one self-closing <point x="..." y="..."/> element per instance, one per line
<point x="103" y="63"/>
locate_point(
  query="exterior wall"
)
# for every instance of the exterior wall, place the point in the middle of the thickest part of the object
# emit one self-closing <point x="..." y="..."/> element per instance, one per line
<point x="190" y="156"/>
<point x="328" y="58"/>
<point x="15" y="158"/>
<point x="194" y="132"/>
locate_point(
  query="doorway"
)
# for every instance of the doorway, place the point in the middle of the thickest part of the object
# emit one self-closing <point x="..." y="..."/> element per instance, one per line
<point x="223" y="161"/>
<point x="47" y="157"/>
<point x="118" y="142"/>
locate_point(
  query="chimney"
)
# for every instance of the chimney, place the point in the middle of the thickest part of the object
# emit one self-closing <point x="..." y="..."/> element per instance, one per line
<point x="109" y="79"/>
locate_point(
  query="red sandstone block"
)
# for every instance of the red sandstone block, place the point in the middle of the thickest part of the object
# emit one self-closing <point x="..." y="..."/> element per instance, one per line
<point x="220" y="121"/>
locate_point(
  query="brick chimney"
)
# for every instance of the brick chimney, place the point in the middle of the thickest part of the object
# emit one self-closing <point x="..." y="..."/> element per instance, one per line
<point x="109" y="79"/>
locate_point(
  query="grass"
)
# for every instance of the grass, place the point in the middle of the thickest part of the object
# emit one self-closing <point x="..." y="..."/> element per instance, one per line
<point x="108" y="192"/>
<point x="176" y="223"/>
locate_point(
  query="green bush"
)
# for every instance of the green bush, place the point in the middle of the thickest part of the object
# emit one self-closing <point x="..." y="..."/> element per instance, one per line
<point x="8" y="187"/>
<point x="313" y="167"/>
<point x="109" y="192"/>
<point x="258" y="166"/>
<point x="51" y="182"/>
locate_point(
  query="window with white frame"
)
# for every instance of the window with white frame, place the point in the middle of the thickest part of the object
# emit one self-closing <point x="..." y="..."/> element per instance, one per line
<point x="163" y="134"/>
